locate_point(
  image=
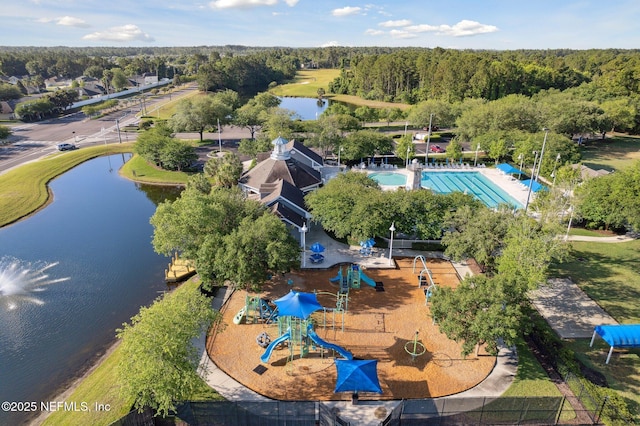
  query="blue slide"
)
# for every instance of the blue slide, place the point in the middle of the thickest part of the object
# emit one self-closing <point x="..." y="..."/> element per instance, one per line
<point x="367" y="279"/>
<point x="318" y="341"/>
<point x="267" y="353"/>
<point x="338" y="278"/>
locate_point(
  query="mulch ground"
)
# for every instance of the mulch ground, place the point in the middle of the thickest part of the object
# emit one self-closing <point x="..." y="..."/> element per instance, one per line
<point x="377" y="325"/>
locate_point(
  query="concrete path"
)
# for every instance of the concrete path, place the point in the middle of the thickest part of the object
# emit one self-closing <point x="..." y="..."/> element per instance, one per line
<point x="365" y="413"/>
<point x="568" y="309"/>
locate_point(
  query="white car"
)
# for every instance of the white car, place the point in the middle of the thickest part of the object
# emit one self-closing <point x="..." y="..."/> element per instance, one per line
<point x="65" y="146"/>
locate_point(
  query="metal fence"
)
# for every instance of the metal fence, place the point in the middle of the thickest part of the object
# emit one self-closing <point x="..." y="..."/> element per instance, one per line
<point x="296" y="413"/>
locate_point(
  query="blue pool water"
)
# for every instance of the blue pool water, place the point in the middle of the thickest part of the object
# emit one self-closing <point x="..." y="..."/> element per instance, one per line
<point x="473" y="183"/>
<point x="389" y="178"/>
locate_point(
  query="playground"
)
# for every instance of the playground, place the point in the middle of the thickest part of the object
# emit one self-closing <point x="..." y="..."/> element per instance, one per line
<point x="379" y="314"/>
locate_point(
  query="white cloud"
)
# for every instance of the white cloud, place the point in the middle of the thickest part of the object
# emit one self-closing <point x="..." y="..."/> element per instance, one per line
<point x="398" y="23"/>
<point x="461" y="29"/>
<point x="243" y="4"/>
<point x="346" y="11"/>
<point x="402" y="34"/>
<point x="331" y="43"/>
<point x="68" y="21"/>
<point x="374" y="32"/>
<point x="124" y="33"/>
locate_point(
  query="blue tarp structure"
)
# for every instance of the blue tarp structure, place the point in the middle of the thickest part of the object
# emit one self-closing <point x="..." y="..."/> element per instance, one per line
<point x="618" y="336"/>
<point x="508" y="169"/>
<point x="535" y="186"/>
<point x="297" y="304"/>
<point x="357" y="376"/>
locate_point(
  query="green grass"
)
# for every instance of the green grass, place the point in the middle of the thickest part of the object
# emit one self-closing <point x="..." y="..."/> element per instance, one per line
<point x="101" y="386"/>
<point x="24" y="189"/>
<point x="611" y="154"/>
<point x="306" y="83"/>
<point x="609" y="274"/>
<point x="531" y="379"/>
<point x="587" y="233"/>
<point x="146" y="173"/>
<point x="168" y="109"/>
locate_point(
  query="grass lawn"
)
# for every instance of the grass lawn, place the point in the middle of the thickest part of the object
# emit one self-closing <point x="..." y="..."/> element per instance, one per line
<point x="306" y="83"/>
<point x="610" y="275"/>
<point x="140" y="170"/>
<point x="24" y="190"/>
<point x="101" y="386"/>
<point x="611" y="154"/>
<point x="168" y="109"/>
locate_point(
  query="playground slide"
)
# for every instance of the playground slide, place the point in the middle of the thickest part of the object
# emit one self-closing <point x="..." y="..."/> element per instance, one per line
<point x="267" y="353"/>
<point x="367" y="279"/>
<point x="336" y="279"/>
<point x="318" y="341"/>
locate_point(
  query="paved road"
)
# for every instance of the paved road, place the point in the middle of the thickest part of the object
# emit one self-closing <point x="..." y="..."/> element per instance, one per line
<point x="31" y="141"/>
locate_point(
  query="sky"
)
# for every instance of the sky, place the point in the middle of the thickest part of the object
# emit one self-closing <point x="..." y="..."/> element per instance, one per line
<point x="457" y="24"/>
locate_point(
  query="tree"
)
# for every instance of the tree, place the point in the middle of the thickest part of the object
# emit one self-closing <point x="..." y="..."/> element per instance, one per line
<point x="255" y="248"/>
<point x="254" y="113"/>
<point x="252" y="147"/>
<point x="366" y="114"/>
<point x="341" y="206"/>
<point x="477" y="312"/>
<point x="476" y="232"/>
<point x="9" y="91"/>
<point x="199" y="182"/>
<point x="454" y="150"/>
<point x="278" y="122"/>
<point x="149" y="145"/>
<point x="63" y="99"/>
<point x="159" y="363"/>
<point x="200" y="113"/>
<point x="405" y="149"/>
<point x="225" y="171"/>
<point x="177" y="155"/>
<point x="365" y="143"/>
<point x="390" y="114"/>
<point x="5" y="132"/>
<point x="119" y="80"/>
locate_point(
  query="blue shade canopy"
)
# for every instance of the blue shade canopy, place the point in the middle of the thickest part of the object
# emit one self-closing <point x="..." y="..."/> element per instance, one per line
<point x="297" y="304"/>
<point x="317" y="247"/>
<point x="620" y="336"/>
<point x="357" y="376"/>
<point x="535" y="186"/>
<point x="508" y="169"/>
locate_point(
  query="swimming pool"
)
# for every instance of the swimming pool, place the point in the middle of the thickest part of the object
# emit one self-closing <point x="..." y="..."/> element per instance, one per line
<point x="389" y="178"/>
<point x="474" y="183"/>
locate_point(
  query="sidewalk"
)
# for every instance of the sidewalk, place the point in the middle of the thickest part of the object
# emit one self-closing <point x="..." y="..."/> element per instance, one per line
<point x="365" y="413"/>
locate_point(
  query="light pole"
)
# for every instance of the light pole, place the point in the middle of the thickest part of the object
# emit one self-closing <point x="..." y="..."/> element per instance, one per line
<point x="339" y="151"/>
<point x="526" y="206"/>
<point x="303" y="234"/>
<point x="406" y="123"/>
<point x="428" y="136"/>
<point x="118" y="127"/>
<point x="566" y="237"/>
<point x="553" y="174"/>
<point x="219" y="137"/>
<point x="392" y="229"/>
<point x="544" y="143"/>
<point x="521" y="158"/>
<point x="408" y="150"/>
<point x="475" y="162"/>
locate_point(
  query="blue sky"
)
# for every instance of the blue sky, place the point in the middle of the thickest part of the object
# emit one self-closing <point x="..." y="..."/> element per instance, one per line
<point x="479" y="24"/>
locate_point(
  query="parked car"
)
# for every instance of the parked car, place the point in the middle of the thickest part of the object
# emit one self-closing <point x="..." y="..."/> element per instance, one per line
<point x="65" y="146"/>
<point x="436" y="148"/>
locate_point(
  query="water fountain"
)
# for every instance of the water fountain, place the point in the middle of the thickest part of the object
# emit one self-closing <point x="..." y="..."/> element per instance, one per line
<point x="20" y="280"/>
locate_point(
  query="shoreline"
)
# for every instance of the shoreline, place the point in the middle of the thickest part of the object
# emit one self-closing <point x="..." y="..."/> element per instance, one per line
<point x="64" y="391"/>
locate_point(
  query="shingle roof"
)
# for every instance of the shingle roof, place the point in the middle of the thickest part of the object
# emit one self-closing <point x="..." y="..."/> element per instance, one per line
<point x="270" y="170"/>
<point x="283" y="189"/>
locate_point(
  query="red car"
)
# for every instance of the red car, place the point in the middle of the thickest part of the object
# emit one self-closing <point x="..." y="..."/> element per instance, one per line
<point x="436" y="148"/>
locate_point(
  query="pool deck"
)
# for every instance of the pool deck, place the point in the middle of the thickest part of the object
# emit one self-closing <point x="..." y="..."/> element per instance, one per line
<point x="507" y="183"/>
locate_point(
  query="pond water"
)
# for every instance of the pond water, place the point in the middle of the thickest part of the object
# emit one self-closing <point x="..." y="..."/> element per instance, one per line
<point x="71" y="274"/>
<point x="305" y="108"/>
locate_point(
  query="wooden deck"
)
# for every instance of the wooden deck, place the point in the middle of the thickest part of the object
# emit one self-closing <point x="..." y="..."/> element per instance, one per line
<point x="179" y="270"/>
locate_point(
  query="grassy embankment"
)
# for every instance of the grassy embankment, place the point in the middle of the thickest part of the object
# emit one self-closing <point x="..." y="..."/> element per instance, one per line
<point x="24" y="190"/>
<point x="101" y="386"/>
<point x="306" y="84"/>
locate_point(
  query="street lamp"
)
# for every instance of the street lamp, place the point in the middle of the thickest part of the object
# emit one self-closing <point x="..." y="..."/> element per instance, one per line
<point x="544" y="143"/>
<point x="406" y="123"/>
<point x="428" y="135"/>
<point x="535" y="159"/>
<point x="219" y="137"/>
<point x="408" y="150"/>
<point x="392" y="229"/>
<point x="566" y="237"/>
<point x="339" y="151"/>
<point x="553" y="174"/>
<point x="521" y="158"/>
<point x="303" y="233"/>
<point x="475" y="162"/>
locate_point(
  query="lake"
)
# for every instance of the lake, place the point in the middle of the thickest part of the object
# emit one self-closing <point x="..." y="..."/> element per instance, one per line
<point x="71" y="274"/>
<point x="305" y="108"/>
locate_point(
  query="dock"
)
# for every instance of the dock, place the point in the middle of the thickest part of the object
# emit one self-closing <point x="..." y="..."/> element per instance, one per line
<point x="179" y="270"/>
